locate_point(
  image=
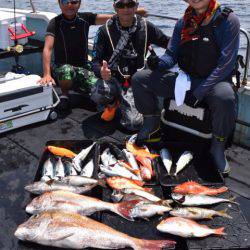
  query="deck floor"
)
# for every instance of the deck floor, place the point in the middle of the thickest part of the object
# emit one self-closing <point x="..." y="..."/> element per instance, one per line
<point x="20" y="151"/>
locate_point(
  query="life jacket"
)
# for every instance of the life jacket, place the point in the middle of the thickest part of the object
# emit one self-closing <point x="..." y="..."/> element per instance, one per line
<point x="128" y="66"/>
<point x="199" y="57"/>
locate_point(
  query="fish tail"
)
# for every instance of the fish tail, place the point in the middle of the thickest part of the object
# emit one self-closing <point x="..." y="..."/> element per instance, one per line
<point x="223" y="213"/>
<point x="153" y="156"/>
<point x="153" y="244"/>
<point x="220" y="231"/>
<point x="232" y="200"/>
<point x="222" y="190"/>
<point x="166" y="202"/>
<point x="217" y="191"/>
<point x="124" y="209"/>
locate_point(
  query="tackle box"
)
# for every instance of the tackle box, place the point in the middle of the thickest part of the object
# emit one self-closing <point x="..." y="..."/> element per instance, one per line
<point x="23" y="101"/>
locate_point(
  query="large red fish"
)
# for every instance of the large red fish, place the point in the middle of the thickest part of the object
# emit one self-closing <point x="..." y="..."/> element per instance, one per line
<point x="192" y="187"/>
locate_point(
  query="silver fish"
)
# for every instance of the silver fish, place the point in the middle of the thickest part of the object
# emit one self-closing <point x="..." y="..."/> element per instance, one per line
<point x="69" y="168"/>
<point x="146" y="195"/>
<point x="131" y="159"/>
<point x="107" y="158"/>
<point x="199" y="200"/>
<point x="77" y="160"/>
<point x="59" y="169"/>
<point x="81" y="181"/>
<point x="183" y="161"/>
<point x="48" y="170"/>
<point x="196" y="213"/>
<point x="41" y="187"/>
<point x="187" y="228"/>
<point x="88" y="169"/>
<point x="166" y="159"/>
<point x="118" y="170"/>
<point x="66" y="230"/>
<point x="84" y="205"/>
<point x="147" y="210"/>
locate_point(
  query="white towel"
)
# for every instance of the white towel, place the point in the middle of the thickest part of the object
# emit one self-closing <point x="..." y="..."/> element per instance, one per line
<point x="182" y="85"/>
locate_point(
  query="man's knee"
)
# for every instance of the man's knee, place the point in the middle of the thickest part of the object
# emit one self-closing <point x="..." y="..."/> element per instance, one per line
<point x="224" y="95"/>
<point x="140" y="77"/>
<point x="65" y="84"/>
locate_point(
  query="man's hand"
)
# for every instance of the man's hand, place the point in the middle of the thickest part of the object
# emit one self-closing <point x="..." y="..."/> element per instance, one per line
<point x="47" y="80"/>
<point x="153" y="62"/>
<point x="105" y="71"/>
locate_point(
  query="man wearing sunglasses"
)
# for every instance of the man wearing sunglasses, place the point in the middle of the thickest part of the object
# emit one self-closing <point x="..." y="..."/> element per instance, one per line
<point x="119" y="51"/>
<point x="67" y="34"/>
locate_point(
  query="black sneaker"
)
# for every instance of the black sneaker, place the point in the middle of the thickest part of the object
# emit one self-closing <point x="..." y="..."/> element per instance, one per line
<point x="218" y="154"/>
<point x="150" y="131"/>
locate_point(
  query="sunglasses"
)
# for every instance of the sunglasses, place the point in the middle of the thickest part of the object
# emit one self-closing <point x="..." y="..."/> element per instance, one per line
<point x="121" y="5"/>
<point x="66" y="2"/>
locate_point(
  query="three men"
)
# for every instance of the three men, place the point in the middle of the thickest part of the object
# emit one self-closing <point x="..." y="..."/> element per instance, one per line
<point x="119" y="51"/>
<point x="205" y="45"/>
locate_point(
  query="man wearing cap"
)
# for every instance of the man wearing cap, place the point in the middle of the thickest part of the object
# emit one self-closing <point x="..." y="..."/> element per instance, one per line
<point x="119" y="51"/>
<point x="67" y="34"/>
<point x="205" y="45"/>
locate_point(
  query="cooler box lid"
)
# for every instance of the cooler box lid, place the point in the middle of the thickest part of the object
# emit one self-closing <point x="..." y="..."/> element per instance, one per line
<point x="20" y="87"/>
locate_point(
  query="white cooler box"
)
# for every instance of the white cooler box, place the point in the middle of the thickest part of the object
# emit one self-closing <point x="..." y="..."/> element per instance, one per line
<point x="23" y="102"/>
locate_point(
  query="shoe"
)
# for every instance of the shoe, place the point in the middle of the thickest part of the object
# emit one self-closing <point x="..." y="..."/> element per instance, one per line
<point x="109" y="112"/>
<point x="150" y="131"/>
<point x="218" y="154"/>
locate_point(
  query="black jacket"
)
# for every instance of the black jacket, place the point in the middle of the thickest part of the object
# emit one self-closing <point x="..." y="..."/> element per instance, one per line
<point x="103" y="48"/>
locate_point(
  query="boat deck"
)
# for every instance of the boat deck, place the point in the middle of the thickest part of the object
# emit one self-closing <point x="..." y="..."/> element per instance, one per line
<point x="20" y="151"/>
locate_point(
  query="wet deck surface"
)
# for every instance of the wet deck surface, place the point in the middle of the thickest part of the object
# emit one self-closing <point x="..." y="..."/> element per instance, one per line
<point x="20" y="151"/>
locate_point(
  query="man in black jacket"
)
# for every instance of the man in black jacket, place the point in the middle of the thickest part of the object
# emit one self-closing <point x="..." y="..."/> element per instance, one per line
<point x="119" y="51"/>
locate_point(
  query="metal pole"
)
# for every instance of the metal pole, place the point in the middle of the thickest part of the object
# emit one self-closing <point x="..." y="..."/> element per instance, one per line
<point x="245" y="75"/>
<point x="32" y="6"/>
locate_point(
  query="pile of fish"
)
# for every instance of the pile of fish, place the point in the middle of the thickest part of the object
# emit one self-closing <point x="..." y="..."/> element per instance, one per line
<point x="132" y="162"/>
<point x="192" y="195"/>
<point x="58" y="214"/>
<point x="71" y="166"/>
<point x="184" y="160"/>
